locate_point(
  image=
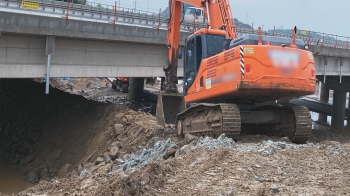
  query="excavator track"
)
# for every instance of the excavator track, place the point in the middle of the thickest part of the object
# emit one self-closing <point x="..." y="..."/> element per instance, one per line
<point x="303" y="124"/>
<point x="214" y="119"/>
<point x="210" y="119"/>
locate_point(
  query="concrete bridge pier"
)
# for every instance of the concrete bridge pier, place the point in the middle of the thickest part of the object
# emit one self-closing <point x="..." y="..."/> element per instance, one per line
<point x="136" y="89"/>
<point x="323" y="97"/>
<point x="338" y="111"/>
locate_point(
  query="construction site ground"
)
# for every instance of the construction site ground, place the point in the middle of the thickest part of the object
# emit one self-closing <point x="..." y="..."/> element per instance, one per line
<point x="86" y="139"/>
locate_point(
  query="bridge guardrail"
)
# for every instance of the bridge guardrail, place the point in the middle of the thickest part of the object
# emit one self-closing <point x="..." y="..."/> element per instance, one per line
<point x="115" y="15"/>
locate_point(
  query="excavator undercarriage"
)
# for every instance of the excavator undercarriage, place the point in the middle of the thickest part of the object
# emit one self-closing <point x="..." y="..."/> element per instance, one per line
<point x="293" y="122"/>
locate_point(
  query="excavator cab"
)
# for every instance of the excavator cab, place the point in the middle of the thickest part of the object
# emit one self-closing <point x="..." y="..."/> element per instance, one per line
<point x="196" y="49"/>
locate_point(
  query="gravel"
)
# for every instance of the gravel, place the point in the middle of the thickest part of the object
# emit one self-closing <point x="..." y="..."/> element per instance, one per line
<point x="212" y="143"/>
<point x="139" y="160"/>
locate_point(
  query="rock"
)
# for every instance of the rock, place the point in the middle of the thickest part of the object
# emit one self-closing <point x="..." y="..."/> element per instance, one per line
<point x="285" y="139"/>
<point x="212" y="143"/>
<point x="99" y="160"/>
<point x="118" y="129"/>
<point x="44" y="174"/>
<point x="267" y="143"/>
<point x="275" y="179"/>
<point x="334" y="143"/>
<point x="184" y="149"/>
<point x="63" y="171"/>
<point x="27" y="159"/>
<point x="106" y="158"/>
<point x="105" y="169"/>
<point x="113" y="152"/>
<point x="271" y="151"/>
<point x="113" y="168"/>
<point x="189" y="138"/>
<point x="129" y="118"/>
<point x="96" y="167"/>
<point x="80" y="168"/>
<point x="56" y="154"/>
<point x="170" y="153"/>
<point x="32" y="178"/>
<point x="125" y="157"/>
<point x="119" y="161"/>
<point x="275" y="189"/>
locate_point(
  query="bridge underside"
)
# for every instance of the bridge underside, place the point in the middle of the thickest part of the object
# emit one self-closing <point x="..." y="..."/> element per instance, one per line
<point x="24" y="56"/>
<point x="336" y="108"/>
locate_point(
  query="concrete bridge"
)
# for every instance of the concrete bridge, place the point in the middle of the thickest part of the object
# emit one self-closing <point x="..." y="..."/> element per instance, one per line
<point x="92" y="42"/>
<point x="88" y="44"/>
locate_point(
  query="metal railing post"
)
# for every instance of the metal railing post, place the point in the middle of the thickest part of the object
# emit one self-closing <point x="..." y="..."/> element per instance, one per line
<point x="115" y="15"/>
<point x="322" y="40"/>
<point x="336" y="41"/>
<point x="309" y="39"/>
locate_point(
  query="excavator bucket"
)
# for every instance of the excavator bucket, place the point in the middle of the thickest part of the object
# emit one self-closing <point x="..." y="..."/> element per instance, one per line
<point x="168" y="106"/>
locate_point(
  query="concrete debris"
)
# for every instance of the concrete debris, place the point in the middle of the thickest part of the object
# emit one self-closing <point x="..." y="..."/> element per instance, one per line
<point x="113" y="152"/>
<point x="212" y="143"/>
<point x="147" y="155"/>
<point x="270" y="147"/>
<point x="99" y="160"/>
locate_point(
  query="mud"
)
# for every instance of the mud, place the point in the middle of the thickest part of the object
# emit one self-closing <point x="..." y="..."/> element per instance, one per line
<point x="10" y="179"/>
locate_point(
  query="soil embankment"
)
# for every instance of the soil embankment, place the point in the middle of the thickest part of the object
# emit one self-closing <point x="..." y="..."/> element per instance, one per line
<point x="69" y="145"/>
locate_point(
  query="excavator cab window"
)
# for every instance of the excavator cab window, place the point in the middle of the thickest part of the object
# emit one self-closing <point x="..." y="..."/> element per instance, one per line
<point x="189" y="63"/>
<point x="215" y="44"/>
<point x="199" y="12"/>
<point x="192" y="61"/>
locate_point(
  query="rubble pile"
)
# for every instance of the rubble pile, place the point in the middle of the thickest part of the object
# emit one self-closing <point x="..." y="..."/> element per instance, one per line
<point x="86" y="147"/>
<point x="147" y="155"/>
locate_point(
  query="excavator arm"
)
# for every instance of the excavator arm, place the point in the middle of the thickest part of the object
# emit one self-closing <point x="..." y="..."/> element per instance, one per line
<point x="219" y="17"/>
<point x="171" y="103"/>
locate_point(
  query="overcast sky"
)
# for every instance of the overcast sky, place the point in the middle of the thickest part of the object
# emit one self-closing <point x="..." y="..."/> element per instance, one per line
<point x="315" y="15"/>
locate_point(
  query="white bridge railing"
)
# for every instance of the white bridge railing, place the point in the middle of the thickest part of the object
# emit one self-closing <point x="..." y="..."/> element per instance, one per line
<point x="115" y="16"/>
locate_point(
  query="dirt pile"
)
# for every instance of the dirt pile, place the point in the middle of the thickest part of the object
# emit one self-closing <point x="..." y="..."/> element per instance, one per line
<point x="223" y="171"/>
<point x="100" y="90"/>
<point x="88" y="148"/>
<point x="51" y="135"/>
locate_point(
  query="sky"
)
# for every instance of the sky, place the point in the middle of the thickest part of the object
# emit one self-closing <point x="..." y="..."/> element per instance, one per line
<point x="315" y="15"/>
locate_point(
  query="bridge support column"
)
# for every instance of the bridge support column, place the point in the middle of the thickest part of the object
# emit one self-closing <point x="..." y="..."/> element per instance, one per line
<point x="324" y="97"/>
<point x="338" y="111"/>
<point x="136" y="89"/>
<point x="50" y="50"/>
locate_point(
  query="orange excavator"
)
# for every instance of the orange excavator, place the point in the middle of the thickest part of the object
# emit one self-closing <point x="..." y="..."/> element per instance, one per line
<point x="238" y="84"/>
